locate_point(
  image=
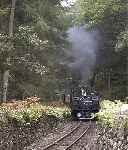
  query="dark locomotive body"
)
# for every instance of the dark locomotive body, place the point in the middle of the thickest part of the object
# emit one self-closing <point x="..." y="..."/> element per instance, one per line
<point x="84" y="106"/>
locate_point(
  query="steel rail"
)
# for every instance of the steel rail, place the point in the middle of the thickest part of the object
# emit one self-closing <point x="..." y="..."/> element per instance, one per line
<point x="75" y="141"/>
<point x="68" y="147"/>
<point x="64" y="136"/>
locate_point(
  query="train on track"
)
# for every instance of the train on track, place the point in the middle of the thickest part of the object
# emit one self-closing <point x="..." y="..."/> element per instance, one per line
<point x="84" y="103"/>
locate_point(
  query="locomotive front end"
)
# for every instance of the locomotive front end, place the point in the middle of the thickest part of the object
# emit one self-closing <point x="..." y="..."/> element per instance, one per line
<point x="84" y="107"/>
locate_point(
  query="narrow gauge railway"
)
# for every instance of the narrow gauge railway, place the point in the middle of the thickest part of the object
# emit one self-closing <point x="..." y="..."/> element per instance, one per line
<point x="67" y="141"/>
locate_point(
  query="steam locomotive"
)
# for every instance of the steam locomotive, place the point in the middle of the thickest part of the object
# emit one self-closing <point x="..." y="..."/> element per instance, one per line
<point x="84" y="104"/>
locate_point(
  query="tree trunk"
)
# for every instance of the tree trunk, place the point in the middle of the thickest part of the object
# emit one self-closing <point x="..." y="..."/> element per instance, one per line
<point x="1" y="85"/>
<point x="6" y="72"/>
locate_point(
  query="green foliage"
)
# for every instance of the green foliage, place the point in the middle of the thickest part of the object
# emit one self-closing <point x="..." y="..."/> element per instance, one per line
<point x="3" y="118"/>
<point x="38" y="45"/>
<point x="96" y="11"/>
<point x="111" y="115"/>
<point x="122" y="40"/>
<point x="33" y="113"/>
<point x="4" y="12"/>
<point x="59" y="112"/>
<point x="27" y="115"/>
<point x="110" y="17"/>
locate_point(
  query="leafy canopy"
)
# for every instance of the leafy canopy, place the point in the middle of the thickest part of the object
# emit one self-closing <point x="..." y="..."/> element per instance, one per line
<point x="96" y="10"/>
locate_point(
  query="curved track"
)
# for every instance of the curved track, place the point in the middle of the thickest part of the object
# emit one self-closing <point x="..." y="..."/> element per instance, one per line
<point x="70" y="138"/>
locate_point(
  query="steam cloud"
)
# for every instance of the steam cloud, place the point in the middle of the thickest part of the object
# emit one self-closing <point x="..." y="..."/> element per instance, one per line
<point x="84" y="49"/>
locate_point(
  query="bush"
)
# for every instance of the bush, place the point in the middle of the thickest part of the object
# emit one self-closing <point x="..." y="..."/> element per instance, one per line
<point x="59" y="112"/>
<point x="26" y="114"/>
<point x="30" y="110"/>
<point x="3" y="118"/>
<point x="111" y="114"/>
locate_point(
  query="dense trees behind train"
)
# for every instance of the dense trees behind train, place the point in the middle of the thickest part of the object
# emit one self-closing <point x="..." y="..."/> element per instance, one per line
<point x="35" y="54"/>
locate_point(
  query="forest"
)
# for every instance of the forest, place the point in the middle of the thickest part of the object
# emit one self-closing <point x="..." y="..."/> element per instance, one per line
<point x="49" y="47"/>
<point x="36" y="47"/>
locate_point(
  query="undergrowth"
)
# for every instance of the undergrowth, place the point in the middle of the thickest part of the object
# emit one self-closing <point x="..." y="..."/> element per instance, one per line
<point x="30" y="110"/>
<point x="113" y="114"/>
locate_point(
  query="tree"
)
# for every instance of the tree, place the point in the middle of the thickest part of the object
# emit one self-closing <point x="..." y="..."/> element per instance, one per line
<point x="6" y="72"/>
<point x="39" y="42"/>
<point x="110" y="17"/>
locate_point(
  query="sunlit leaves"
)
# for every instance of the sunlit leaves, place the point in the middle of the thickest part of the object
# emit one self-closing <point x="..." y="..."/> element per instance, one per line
<point x="28" y="34"/>
<point x="112" y="114"/>
<point x="4" y="12"/>
<point x="30" y="110"/>
<point x="122" y="40"/>
<point x="97" y="10"/>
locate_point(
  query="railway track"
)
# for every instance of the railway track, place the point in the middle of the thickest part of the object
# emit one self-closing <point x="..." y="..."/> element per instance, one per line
<point x="71" y="138"/>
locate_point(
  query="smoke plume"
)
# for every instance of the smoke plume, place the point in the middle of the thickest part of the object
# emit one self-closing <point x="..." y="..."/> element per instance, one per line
<point x="84" y="48"/>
